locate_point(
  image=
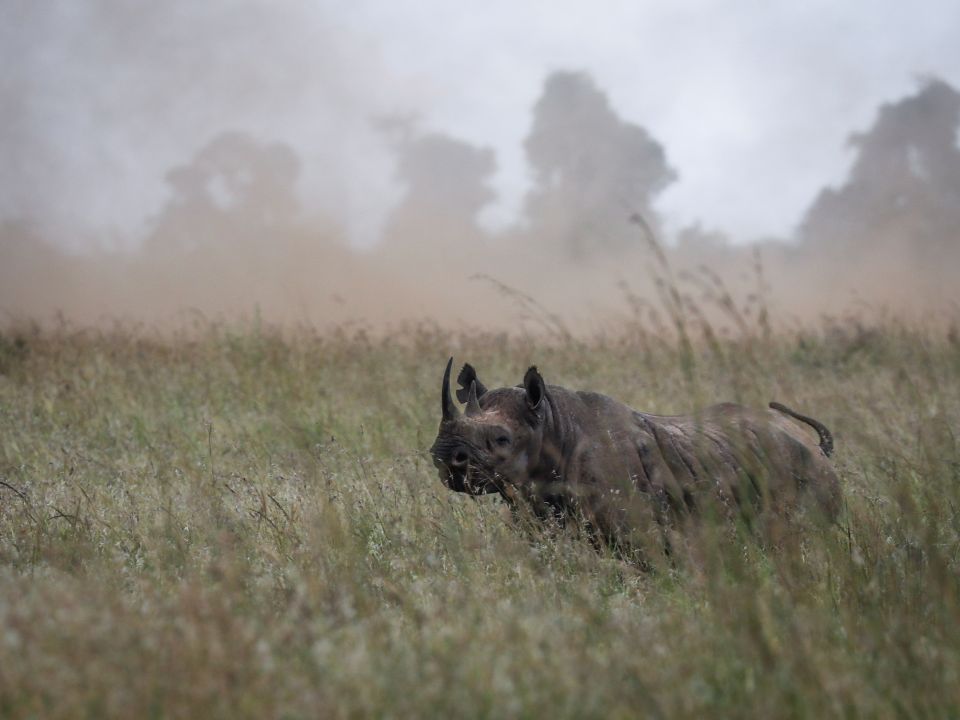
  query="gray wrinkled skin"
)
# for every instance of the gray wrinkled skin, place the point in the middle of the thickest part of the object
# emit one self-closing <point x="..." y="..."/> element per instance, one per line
<point x="582" y="454"/>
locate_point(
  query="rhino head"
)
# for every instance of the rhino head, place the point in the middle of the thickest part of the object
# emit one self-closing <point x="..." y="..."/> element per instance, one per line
<point x="496" y="439"/>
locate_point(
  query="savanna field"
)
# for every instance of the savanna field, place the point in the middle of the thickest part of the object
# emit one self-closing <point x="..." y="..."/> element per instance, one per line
<point x="243" y="521"/>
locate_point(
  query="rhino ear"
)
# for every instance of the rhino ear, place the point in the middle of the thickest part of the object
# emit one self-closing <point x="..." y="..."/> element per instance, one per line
<point x="535" y="388"/>
<point x="468" y="375"/>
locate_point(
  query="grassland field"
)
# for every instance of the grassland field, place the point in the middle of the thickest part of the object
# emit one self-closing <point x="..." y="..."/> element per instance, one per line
<point x="242" y="521"/>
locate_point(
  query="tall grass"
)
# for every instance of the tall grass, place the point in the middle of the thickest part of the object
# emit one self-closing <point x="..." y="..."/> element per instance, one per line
<point x="244" y="522"/>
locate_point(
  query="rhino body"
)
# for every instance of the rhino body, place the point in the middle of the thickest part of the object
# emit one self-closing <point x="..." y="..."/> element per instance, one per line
<point x="570" y="453"/>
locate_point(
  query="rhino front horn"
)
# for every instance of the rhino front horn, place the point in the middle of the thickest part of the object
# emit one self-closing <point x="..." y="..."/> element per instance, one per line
<point x="450" y="411"/>
<point x="473" y="405"/>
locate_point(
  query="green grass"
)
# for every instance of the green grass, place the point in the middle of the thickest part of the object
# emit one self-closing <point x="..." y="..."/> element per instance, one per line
<point x="245" y="523"/>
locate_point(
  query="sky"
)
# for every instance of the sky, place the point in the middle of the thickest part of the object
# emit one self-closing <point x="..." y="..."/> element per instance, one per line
<point x="753" y="101"/>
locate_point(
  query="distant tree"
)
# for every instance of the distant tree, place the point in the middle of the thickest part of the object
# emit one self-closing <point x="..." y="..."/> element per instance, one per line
<point x="234" y="190"/>
<point x="591" y="169"/>
<point x="446" y="183"/>
<point x="904" y="186"/>
<point x="233" y="234"/>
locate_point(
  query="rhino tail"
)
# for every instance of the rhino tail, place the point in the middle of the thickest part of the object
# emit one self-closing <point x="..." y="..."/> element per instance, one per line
<point x="826" y="439"/>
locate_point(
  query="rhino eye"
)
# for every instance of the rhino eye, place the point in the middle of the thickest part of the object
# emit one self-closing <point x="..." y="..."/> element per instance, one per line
<point x="502" y="441"/>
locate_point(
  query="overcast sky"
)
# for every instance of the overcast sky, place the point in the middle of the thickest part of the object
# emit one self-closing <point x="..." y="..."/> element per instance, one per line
<point x="753" y="101"/>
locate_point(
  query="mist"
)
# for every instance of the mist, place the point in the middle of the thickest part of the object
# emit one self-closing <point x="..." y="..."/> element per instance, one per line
<point x="174" y="162"/>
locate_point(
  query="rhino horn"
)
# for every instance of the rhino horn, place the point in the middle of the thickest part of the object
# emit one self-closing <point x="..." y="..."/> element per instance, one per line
<point x="450" y="411"/>
<point x="473" y="405"/>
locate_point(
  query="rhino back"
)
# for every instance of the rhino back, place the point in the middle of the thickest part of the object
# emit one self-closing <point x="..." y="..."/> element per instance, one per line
<point x="727" y="453"/>
<point x="742" y="456"/>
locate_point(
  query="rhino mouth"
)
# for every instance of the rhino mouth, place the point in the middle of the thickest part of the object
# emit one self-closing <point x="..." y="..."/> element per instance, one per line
<point x="459" y="467"/>
<point x="471" y="478"/>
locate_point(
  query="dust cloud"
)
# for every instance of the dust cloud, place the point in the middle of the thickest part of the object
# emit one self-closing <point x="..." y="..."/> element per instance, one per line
<point x="235" y="239"/>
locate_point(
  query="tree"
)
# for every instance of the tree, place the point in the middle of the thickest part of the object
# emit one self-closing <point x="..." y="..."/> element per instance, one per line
<point x="591" y="169"/>
<point x="904" y="187"/>
<point x="446" y="184"/>
<point x="235" y="190"/>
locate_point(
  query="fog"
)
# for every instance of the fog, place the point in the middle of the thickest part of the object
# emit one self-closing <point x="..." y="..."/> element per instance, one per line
<point x="171" y="162"/>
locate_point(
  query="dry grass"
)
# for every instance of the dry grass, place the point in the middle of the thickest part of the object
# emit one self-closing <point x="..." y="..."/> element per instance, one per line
<point x="244" y="523"/>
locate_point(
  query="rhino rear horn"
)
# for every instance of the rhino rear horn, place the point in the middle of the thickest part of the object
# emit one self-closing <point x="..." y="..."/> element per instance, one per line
<point x="469" y="375"/>
<point x="450" y="411"/>
<point x="473" y="405"/>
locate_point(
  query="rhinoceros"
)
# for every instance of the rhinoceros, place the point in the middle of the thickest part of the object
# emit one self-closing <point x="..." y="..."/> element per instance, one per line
<point x="575" y="454"/>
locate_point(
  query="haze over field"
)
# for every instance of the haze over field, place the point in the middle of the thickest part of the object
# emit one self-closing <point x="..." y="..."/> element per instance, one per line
<point x="239" y="240"/>
<point x="323" y="165"/>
